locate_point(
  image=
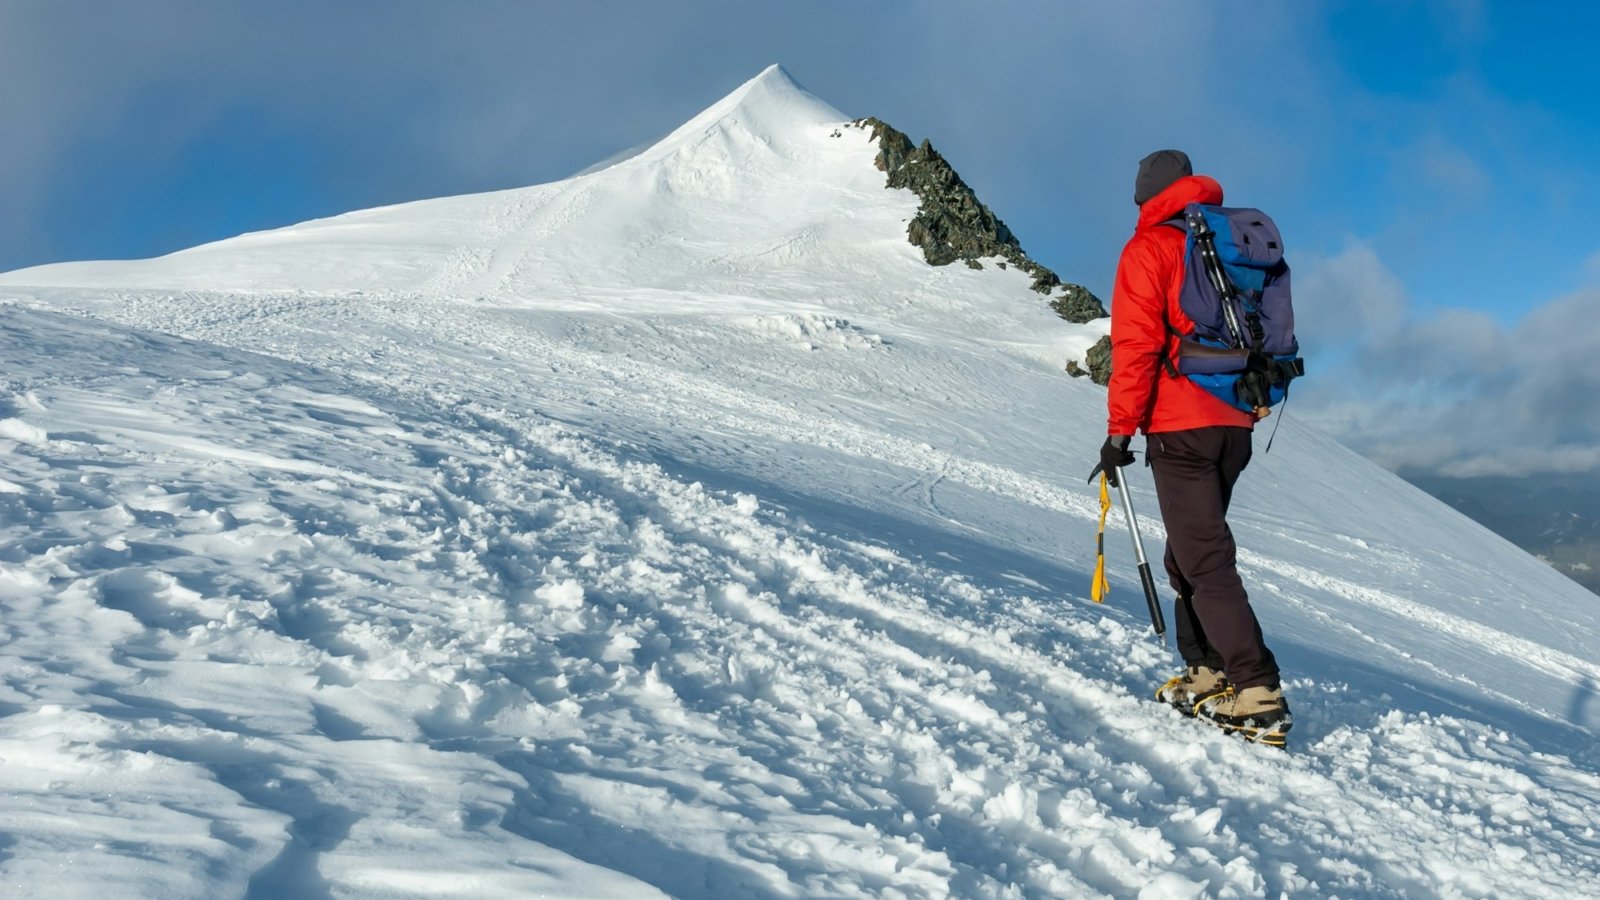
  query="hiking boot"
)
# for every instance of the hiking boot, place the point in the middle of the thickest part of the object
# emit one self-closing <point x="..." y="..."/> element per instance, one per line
<point x="1258" y="714"/>
<point x="1196" y="685"/>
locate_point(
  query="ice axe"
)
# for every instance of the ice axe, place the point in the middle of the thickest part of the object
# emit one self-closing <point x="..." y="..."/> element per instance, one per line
<point x="1100" y="587"/>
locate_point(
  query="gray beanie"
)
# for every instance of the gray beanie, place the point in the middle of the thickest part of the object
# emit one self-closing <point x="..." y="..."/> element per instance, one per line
<point x="1158" y="171"/>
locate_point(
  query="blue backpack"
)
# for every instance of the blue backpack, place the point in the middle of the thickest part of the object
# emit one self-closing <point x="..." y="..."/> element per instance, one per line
<point x="1236" y="291"/>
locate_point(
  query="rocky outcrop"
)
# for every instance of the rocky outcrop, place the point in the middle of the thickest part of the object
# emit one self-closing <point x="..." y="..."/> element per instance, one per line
<point x="1076" y="303"/>
<point x="1099" y="360"/>
<point x="952" y="224"/>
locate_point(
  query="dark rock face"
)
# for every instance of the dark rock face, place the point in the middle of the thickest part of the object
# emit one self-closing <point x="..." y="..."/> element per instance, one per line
<point x="1099" y="360"/>
<point x="1077" y="303"/>
<point x="953" y="224"/>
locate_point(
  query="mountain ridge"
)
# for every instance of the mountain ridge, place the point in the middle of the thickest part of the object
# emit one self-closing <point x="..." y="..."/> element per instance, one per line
<point x="953" y="224"/>
<point x="769" y="116"/>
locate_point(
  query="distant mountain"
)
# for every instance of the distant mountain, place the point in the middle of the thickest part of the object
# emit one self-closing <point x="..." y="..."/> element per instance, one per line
<point x="1554" y="517"/>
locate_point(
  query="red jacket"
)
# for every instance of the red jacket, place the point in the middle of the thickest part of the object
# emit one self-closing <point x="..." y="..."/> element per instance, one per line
<point x="1144" y="395"/>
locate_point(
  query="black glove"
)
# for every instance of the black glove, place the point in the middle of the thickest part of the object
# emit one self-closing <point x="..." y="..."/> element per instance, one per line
<point x="1114" y="454"/>
<point x="1254" y="386"/>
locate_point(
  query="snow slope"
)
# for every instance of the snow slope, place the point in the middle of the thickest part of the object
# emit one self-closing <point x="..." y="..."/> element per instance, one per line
<point x="674" y="529"/>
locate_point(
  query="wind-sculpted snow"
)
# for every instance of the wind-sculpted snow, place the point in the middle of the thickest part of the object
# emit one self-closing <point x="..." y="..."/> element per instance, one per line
<point x="772" y="584"/>
<point x="276" y="629"/>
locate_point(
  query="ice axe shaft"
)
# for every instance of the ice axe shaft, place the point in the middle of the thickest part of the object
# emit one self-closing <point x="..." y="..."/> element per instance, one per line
<point x="1149" y="582"/>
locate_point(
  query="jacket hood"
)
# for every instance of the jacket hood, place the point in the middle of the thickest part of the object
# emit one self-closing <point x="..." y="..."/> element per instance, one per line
<point x="1186" y="190"/>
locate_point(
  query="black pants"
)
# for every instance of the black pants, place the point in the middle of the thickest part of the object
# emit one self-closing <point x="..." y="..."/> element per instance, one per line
<point x="1195" y="471"/>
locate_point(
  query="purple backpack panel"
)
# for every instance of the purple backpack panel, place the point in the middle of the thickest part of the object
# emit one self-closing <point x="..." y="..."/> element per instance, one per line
<point x="1236" y="292"/>
<point x="1249" y="253"/>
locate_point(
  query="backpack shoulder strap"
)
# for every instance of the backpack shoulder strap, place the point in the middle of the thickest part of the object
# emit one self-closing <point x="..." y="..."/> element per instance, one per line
<point x="1165" y="361"/>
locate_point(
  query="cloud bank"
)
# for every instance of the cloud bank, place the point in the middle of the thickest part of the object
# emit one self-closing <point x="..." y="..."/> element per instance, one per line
<point x="1453" y="392"/>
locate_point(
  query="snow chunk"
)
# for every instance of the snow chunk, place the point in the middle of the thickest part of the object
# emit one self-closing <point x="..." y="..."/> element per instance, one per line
<point x="1171" y="886"/>
<point x="815" y="332"/>
<point x="22" y="432"/>
<point x="564" y="594"/>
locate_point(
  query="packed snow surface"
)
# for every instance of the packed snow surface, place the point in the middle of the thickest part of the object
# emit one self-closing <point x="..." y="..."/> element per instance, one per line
<point x="674" y="529"/>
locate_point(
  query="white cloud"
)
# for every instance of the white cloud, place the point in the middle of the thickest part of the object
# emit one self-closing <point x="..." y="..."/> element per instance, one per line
<point x="1348" y="296"/>
<point x="1455" y="391"/>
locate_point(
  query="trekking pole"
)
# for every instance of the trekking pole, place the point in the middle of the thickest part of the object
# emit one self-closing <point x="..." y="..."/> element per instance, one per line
<point x="1156" y="618"/>
<point x="1206" y="240"/>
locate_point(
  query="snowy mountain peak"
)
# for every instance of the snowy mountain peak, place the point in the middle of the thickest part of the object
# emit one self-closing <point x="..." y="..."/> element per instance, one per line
<point x="769" y="186"/>
<point x="768" y="111"/>
<point x="774" y="98"/>
<point x="774" y="91"/>
<point x="761" y="154"/>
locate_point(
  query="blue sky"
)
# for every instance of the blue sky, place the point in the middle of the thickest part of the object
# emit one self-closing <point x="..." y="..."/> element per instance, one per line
<point x="1433" y="164"/>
